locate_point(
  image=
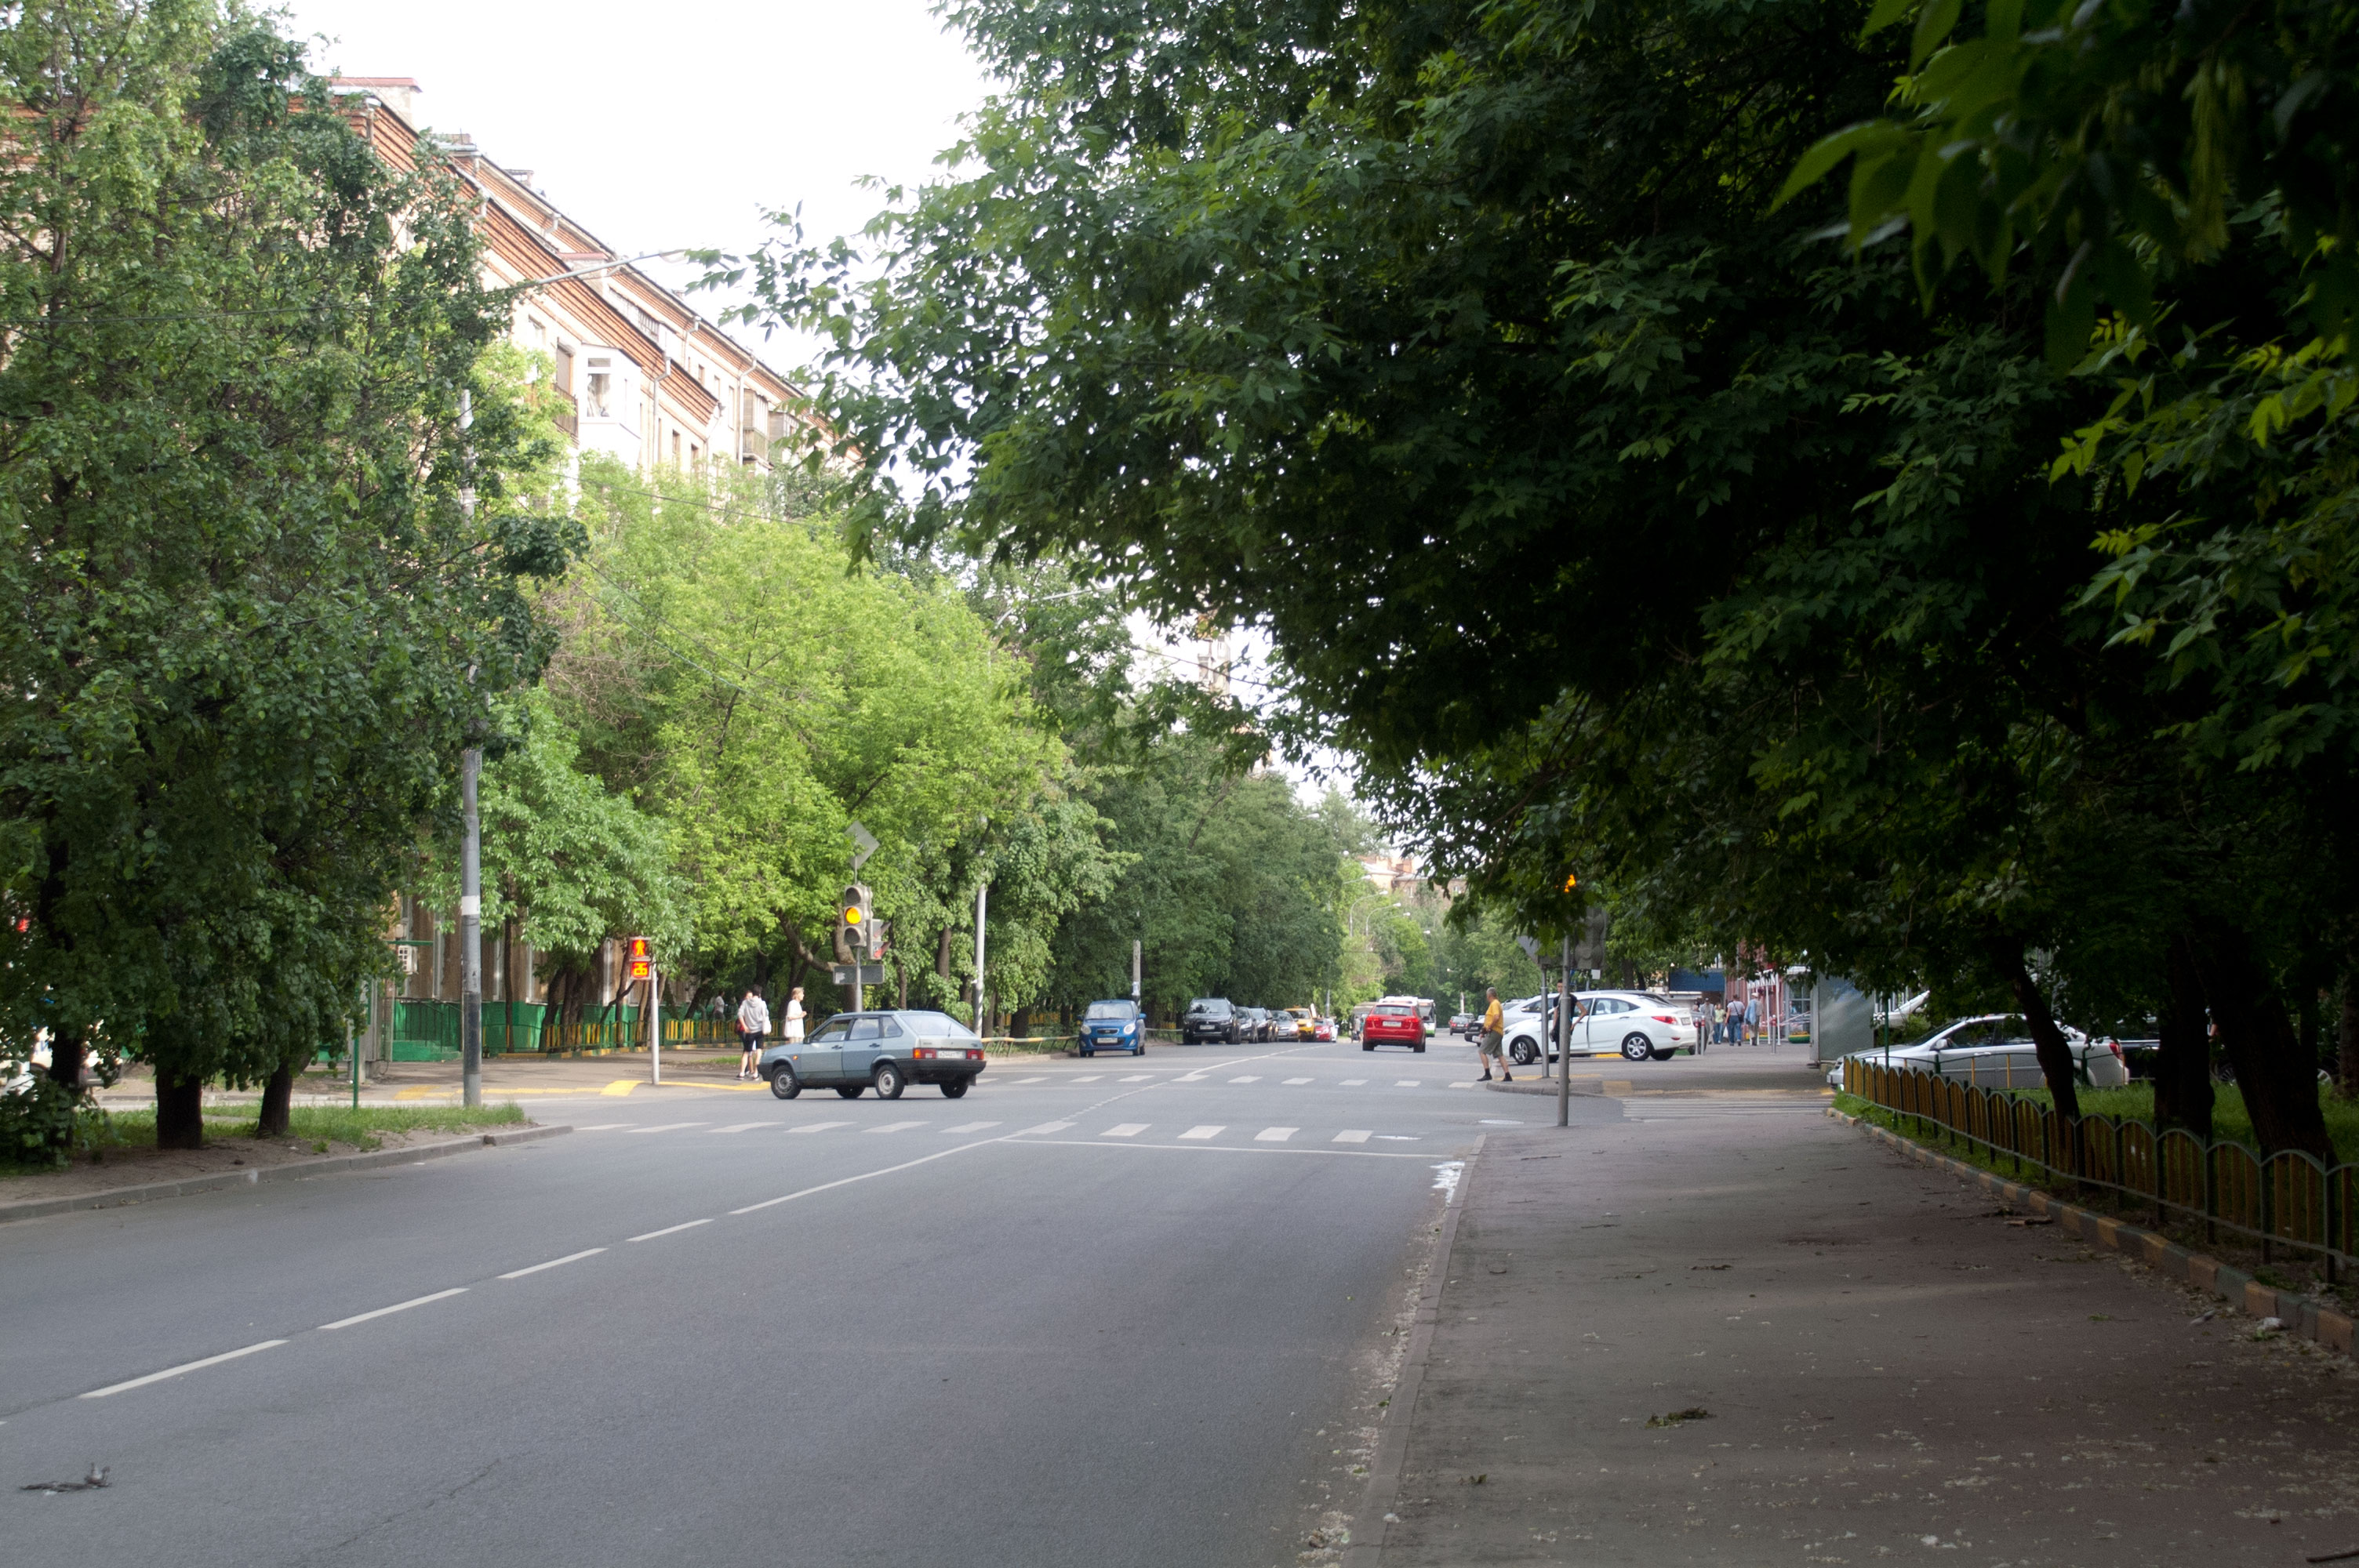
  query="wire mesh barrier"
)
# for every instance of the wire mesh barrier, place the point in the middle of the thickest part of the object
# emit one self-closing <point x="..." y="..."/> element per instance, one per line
<point x="2289" y="1202"/>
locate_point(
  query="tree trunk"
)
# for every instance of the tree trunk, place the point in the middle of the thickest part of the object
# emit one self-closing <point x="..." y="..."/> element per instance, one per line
<point x="2346" y="1065"/>
<point x="277" y="1097"/>
<point x="2182" y="1075"/>
<point x="2055" y="1052"/>
<point x="180" y="1110"/>
<point x="2279" y="1085"/>
<point x="67" y="1055"/>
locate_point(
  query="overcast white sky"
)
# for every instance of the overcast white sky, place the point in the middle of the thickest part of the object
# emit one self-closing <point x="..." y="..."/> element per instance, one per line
<point x="674" y="125"/>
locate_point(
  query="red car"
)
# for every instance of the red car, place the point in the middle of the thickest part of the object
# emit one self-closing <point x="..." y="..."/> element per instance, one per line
<point x="1393" y="1023"/>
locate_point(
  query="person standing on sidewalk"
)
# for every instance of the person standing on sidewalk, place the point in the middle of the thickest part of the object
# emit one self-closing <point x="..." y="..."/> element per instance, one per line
<point x="793" y="1033"/>
<point x="1495" y="1033"/>
<point x="1737" y="1021"/>
<point x="753" y="1022"/>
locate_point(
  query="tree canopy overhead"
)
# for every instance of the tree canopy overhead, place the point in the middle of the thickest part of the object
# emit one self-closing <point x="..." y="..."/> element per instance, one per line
<point x="1504" y="363"/>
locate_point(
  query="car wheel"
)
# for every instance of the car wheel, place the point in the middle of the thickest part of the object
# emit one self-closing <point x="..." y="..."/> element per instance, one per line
<point x="850" y="1091"/>
<point x="1367" y="1044"/>
<point x="889" y="1081"/>
<point x="1522" y="1051"/>
<point x="784" y="1084"/>
<point x="1418" y="1047"/>
<point x="1140" y="1049"/>
<point x="956" y="1088"/>
<point x="1662" y="1055"/>
<point x="1085" y="1056"/>
<point x="1637" y="1047"/>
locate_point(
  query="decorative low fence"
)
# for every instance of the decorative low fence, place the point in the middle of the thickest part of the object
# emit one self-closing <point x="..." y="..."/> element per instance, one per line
<point x="2287" y="1202"/>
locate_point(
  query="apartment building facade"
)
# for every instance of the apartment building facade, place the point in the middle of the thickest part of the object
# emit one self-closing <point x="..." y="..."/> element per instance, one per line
<point x="647" y="379"/>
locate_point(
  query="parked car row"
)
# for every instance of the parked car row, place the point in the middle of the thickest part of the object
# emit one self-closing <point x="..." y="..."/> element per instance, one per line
<point x="1209" y="1018"/>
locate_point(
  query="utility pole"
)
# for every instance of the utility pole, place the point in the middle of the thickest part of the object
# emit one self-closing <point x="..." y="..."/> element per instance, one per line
<point x="471" y="933"/>
<point x="655" y="1021"/>
<point x="471" y="857"/>
<point x="982" y="1021"/>
<point x="1135" y="950"/>
<point x="1564" y="1038"/>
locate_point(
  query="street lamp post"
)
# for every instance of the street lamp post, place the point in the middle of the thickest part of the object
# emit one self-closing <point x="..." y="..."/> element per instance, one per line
<point x="471" y="933"/>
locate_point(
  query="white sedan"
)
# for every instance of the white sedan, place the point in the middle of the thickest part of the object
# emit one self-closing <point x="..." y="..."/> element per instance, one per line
<point x="1994" y="1051"/>
<point x="1631" y="1024"/>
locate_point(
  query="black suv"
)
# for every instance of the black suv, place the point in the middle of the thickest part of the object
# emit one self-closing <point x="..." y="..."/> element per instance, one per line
<point x="1211" y="1018"/>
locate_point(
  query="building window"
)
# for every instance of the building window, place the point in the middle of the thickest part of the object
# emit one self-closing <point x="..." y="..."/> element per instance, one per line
<point x="691" y="454"/>
<point x="675" y="449"/>
<point x="600" y="391"/>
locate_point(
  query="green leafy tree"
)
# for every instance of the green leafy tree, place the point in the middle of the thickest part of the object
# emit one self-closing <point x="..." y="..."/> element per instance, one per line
<point x="259" y="617"/>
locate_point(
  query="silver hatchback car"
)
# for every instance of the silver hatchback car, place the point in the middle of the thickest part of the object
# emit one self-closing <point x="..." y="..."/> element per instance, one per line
<point x="884" y="1051"/>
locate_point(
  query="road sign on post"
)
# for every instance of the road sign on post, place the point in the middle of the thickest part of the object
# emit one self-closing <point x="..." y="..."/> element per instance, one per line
<point x="863" y="842"/>
<point x="856" y="974"/>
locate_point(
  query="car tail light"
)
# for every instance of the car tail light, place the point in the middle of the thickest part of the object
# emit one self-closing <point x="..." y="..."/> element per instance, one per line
<point x="2115" y="1047"/>
<point x="1662" y="1018"/>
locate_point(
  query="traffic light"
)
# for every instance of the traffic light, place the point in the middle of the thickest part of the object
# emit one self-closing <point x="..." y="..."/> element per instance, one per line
<point x="855" y="915"/>
<point x="642" y="961"/>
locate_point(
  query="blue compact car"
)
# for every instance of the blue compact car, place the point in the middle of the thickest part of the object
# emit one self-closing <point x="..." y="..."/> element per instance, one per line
<point x="1114" y="1026"/>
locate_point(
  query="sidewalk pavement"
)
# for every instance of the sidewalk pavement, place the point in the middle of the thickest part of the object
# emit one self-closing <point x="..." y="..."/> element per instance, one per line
<point x="1740" y="1331"/>
<point x="518" y="1077"/>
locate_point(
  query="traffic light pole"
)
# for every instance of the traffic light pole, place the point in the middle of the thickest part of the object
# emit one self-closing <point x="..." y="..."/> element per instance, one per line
<point x="1564" y="1039"/>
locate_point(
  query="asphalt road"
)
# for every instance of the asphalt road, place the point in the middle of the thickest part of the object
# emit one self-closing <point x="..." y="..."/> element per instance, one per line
<point x="1103" y="1313"/>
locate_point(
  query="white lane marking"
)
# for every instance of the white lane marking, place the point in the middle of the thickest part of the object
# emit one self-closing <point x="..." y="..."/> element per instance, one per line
<point x="1191" y="1077"/>
<point x="1088" y="1078"/>
<point x="553" y="1263"/>
<point x="1037" y="1081"/>
<point x="1353" y="1083"/>
<point x="1044" y="1127"/>
<point x="865" y="1176"/>
<point x="1204" y="1131"/>
<point x="668" y="1127"/>
<point x="1469" y="1083"/>
<point x="1248" y="1078"/>
<point x="1274" y="1134"/>
<point x="896" y="1126"/>
<point x="605" y="1125"/>
<point x="1297" y="1080"/>
<point x="1397" y="1137"/>
<point x="667" y="1230"/>
<point x="743" y="1126"/>
<point x="1351" y="1135"/>
<point x="818" y="1126"/>
<point x="1407" y="1083"/>
<point x="1137" y="1078"/>
<point x="1494" y="1122"/>
<point x="971" y="1126"/>
<point x="1127" y="1130"/>
<point x="183" y="1367"/>
<point x="398" y="1306"/>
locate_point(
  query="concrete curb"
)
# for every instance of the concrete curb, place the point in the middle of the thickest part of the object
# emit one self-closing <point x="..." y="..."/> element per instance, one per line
<point x="2300" y="1316"/>
<point x="150" y="1191"/>
<point x="1367" y="1543"/>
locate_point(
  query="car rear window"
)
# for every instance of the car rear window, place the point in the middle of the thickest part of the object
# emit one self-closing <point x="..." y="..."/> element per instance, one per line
<point x="1392" y="1012"/>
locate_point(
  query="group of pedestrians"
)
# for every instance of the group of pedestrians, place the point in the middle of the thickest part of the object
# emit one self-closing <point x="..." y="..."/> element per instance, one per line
<point x="754" y="1025"/>
<point x="1734" y="1024"/>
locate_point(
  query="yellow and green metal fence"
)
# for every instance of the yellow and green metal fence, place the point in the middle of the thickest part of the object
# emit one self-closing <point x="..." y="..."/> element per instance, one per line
<point x="2288" y="1201"/>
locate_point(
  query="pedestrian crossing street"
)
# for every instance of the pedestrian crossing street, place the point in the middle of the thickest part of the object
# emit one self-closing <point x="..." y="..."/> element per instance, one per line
<point x="1128" y="1132"/>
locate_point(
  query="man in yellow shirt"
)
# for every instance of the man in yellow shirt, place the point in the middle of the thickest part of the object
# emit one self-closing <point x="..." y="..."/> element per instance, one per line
<point x="1494" y="1026"/>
